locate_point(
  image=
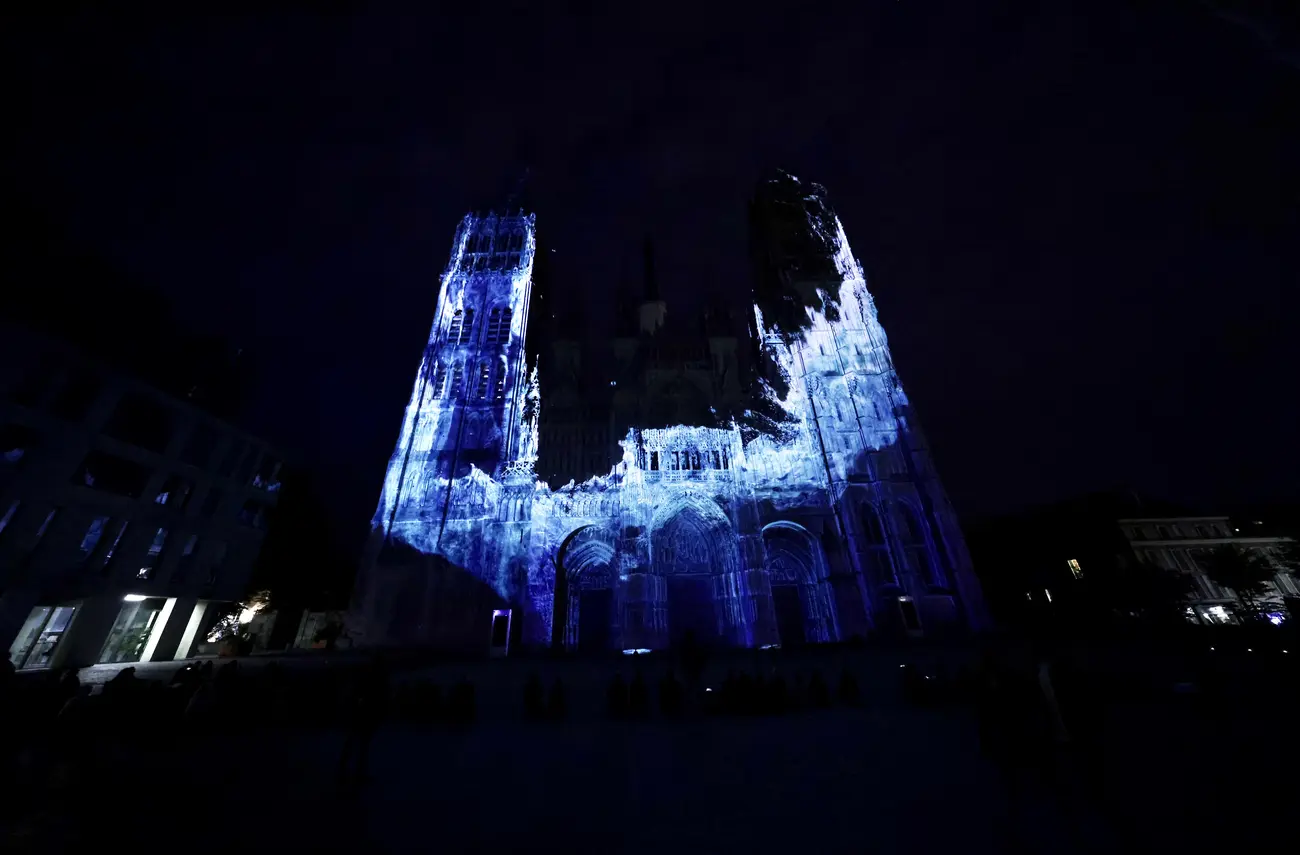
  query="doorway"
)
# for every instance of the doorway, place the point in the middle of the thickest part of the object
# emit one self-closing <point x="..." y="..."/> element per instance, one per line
<point x="789" y="614"/>
<point x="691" y="610"/>
<point x="595" y="614"/>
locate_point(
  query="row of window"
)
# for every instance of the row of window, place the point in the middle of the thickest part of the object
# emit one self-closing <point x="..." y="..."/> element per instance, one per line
<point x="126" y="478"/>
<point x="692" y="460"/>
<point x="460" y="330"/>
<point x="504" y="242"/>
<point x="1173" y="531"/>
<point x="488" y="376"/>
<point x="142" y="421"/>
<point x="99" y="545"/>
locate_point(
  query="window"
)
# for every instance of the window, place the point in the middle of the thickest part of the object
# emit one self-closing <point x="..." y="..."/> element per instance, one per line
<point x="199" y="447"/>
<point x="1162" y="531"/>
<point x="152" y="556"/>
<point x="267" y="476"/>
<point x="1202" y="531"/>
<point x="872" y="530"/>
<point x="457" y="381"/>
<point x="91" y="538"/>
<point x="499" y="387"/>
<point x="910" y="526"/>
<point x="654" y="461"/>
<point x="1075" y="570"/>
<point x="9" y="515"/>
<point x="175" y="493"/>
<point x="498" y="331"/>
<point x="484" y="378"/>
<point x="112" y="547"/>
<point x="1138" y="533"/>
<point x="188" y="552"/>
<point x="140" y="421"/>
<point x="461" y="329"/>
<point x="439" y="379"/>
<point x="112" y="475"/>
<point x="74" y="400"/>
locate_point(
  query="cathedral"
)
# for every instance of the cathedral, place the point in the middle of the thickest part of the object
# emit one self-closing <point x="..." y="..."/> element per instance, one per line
<point x="750" y="479"/>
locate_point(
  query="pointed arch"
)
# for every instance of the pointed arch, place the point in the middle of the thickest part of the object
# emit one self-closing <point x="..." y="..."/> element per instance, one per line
<point x="801" y="593"/>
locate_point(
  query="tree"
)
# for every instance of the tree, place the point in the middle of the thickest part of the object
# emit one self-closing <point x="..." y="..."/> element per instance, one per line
<point x="1144" y="590"/>
<point x="1249" y="574"/>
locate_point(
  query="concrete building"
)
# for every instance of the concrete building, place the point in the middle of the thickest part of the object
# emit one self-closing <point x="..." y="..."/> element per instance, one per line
<point x="1036" y="566"/>
<point x="129" y="518"/>
<point x="1181" y="543"/>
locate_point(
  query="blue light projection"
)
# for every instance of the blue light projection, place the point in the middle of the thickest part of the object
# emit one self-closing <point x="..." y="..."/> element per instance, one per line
<point x="813" y="528"/>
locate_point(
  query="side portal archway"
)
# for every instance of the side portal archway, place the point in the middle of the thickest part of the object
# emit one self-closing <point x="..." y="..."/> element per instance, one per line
<point x="800" y="579"/>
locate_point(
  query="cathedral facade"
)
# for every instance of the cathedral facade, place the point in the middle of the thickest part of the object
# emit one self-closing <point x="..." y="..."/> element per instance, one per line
<point x="748" y="489"/>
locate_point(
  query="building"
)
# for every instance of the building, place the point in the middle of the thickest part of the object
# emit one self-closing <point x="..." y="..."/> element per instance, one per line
<point x="798" y="506"/>
<point x="1182" y="542"/>
<point x="1039" y="563"/>
<point x="129" y="518"/>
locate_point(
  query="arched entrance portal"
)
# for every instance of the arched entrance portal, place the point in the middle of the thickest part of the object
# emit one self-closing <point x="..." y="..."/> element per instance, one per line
<point x="695" y="554"/>
<point x="801" y="592"/>
<point x="584" y="594"/>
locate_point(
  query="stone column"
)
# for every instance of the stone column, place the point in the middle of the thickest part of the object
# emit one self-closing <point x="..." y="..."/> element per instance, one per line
<point x="756" y="588"/>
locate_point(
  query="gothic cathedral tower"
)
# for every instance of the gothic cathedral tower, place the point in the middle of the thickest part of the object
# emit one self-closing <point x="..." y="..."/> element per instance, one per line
<point x="817" y="326"/>
<point x="465" y="427"/>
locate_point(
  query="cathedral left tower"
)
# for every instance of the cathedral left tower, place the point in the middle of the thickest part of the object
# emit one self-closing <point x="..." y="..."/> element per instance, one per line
<point x="467" y="437"/>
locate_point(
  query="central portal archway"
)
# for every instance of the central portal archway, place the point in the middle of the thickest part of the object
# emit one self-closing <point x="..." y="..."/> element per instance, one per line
<point x="694" y="552"/>
<point x="584" y="594"/>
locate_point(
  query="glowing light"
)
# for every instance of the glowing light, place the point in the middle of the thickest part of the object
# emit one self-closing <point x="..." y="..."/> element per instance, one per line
<point x="632" y="651"/>
<point x="134" y="598"/>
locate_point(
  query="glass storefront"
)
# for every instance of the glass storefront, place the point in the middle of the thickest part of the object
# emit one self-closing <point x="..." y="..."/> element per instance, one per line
<point x="130" y="634"/>
<point x="40" y="636"/>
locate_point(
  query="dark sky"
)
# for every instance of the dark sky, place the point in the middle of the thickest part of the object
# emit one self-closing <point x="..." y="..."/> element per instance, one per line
<point x="1079" y="223"/>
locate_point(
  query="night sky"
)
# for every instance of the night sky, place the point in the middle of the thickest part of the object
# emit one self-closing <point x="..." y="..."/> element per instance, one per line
<point x="1080" y="225"/>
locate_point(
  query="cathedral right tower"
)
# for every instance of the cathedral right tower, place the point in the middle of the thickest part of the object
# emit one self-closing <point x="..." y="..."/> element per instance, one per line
<point x="822" y="353"/>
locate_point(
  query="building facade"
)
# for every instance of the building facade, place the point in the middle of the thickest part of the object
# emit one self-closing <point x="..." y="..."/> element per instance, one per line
<point x="1183" y="543"/>
<point x="800" y="505"/>
<point x="128" y="518"/>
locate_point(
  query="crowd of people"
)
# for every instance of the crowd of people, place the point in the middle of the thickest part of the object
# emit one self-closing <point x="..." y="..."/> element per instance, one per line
<point x="1027" y="709"/>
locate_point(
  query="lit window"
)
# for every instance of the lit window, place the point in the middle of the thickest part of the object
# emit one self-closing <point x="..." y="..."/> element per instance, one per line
<point x="499" y="388"/>
<point x="9" y="514"/>
<point x="49" y="518"/>
<point x="1075" y="570"/>
<point x="499" y="325"/>
<point x="151" y="557"/>
<point x="457" y="381"/>
<point x="439" y="379"/>
<point x="457" y="324"/>
<point x="484" y="378"/>
<point x="467" y="331"/>
<point x="92" y="536"/>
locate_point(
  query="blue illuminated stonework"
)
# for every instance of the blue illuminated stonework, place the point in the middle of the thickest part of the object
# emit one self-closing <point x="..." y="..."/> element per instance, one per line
<point x="815" y="517"/>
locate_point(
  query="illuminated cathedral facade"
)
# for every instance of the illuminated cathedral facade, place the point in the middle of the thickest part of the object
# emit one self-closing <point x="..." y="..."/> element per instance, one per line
<point x="777" y="490"/>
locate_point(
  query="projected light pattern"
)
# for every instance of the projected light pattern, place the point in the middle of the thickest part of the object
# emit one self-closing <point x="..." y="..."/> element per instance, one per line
<point x="809" y="531"/>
